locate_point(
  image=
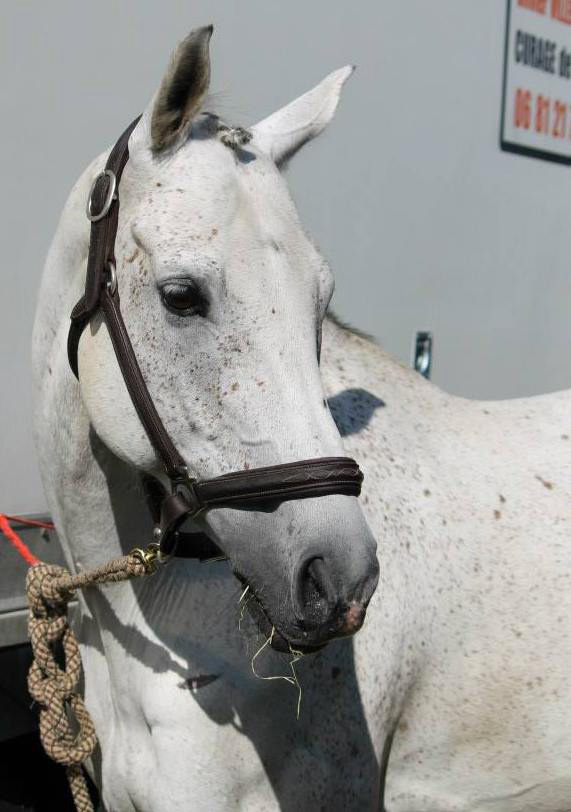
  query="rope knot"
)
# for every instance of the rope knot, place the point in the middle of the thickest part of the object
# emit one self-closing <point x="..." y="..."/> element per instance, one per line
<point x="66" y="728"/>
<point x="42" y="589"/>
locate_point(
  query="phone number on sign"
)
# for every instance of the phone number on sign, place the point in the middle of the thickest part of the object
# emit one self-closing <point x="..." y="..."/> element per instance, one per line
<point x="541" y="114"/>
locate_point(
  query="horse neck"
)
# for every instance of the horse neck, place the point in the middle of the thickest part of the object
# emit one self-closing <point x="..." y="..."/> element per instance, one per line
<point x="63" y="277"/>
<point x="81" y="479"/>
<point x="394" y="428"/>
<point x="404" y="407"/>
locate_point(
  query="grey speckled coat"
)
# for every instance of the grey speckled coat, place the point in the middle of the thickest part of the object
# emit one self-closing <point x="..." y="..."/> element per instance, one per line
<point x="455" y="694"/>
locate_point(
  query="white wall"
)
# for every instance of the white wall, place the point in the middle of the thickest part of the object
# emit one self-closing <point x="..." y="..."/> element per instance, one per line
<point x="427" y="223"/>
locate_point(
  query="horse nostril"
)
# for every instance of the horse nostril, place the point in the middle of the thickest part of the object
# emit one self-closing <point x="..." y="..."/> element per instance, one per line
<point x="315" y="593"/>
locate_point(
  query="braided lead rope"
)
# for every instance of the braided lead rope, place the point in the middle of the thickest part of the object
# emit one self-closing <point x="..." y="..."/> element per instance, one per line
<point x="66" y="728"/>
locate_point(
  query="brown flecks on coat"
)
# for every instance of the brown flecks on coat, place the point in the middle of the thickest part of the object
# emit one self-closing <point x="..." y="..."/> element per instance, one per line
<point x="133" y="256"/>
<point x="497" y="514"/>
<point x="235" y="386"/>
<point x="502" y="498"/>
<point x="545" y="482"/>
<point x="426" y="492"/>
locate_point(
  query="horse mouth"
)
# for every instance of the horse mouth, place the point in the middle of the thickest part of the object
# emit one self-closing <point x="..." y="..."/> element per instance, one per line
<point x="277" y="640"/>
<point x="209" y="551"/>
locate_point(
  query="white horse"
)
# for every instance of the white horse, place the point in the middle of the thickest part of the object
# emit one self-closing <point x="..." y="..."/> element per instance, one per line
<point x="456" y="694"/>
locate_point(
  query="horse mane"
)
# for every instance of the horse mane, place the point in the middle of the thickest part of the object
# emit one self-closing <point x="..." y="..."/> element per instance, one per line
<point x="339" y="322"/>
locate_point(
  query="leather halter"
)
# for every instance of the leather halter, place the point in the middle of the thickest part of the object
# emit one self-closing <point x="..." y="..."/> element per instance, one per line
<point x="256" y="488"/>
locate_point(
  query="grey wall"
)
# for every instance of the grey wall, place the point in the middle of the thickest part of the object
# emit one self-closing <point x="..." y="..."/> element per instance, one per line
<point x="426" y="222"/>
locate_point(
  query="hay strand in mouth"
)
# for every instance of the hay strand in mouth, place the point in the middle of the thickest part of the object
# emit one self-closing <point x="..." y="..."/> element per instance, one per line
<point x="243" y="609"/>
<point x="293" y="680"/>
<point x="296" y="657"/>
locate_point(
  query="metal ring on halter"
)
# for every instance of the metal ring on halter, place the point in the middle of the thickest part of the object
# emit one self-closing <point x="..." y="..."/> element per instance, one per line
<point x="111" y="283"/>
<point x="109" y="197"/>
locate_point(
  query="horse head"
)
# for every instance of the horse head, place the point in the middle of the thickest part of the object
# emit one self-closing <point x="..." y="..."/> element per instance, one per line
<point x="224" y="295"/>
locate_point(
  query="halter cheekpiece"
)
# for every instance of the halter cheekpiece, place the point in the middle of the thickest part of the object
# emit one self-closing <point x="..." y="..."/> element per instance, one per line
<point x="256" y="488"/>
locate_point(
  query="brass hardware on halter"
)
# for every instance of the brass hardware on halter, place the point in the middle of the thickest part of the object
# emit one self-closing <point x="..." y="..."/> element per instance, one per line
<point x="151" y="558"/>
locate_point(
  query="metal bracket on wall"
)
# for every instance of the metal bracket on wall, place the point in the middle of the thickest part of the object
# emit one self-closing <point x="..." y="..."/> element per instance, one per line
<point x="422" y="353"/>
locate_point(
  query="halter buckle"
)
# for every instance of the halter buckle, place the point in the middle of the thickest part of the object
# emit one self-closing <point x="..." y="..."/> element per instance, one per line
<point x="109" y="197"/>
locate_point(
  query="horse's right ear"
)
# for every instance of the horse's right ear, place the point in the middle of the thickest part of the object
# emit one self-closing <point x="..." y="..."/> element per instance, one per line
<point x="182" y="91"/>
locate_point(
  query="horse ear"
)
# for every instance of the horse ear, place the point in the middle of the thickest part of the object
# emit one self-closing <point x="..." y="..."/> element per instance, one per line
<point x="182" y="90"/>
<point x="288" y="129"/>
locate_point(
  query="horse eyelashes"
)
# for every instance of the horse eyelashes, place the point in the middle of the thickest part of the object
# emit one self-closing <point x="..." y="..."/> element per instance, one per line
<point x="183" y="299"/>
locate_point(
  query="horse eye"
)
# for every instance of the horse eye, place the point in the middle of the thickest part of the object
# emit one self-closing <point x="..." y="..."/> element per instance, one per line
<point x="183" y="298"/>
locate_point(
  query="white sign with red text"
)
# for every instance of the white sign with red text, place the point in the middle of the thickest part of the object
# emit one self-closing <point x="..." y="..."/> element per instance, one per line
<point x="536" y="117"/>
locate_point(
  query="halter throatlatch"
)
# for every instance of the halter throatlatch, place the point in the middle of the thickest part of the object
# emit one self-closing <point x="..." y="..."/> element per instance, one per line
<point x="256" y="488"/>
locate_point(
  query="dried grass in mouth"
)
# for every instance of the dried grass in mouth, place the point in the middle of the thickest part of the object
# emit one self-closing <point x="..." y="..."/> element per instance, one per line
<point x="243" y="609"/>
<point x="293" y="680"/>
<point x="296" y="655"/>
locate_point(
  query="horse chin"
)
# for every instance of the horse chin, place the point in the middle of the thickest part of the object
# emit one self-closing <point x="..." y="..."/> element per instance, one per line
<point x="277" y="640"/>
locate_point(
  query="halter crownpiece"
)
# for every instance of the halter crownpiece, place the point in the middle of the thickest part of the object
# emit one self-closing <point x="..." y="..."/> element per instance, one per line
<point x="255" y="488"/>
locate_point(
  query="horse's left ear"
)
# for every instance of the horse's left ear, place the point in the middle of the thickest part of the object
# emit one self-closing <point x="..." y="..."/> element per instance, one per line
<point x="288" y="129"/>
<point x="182" y="90"/>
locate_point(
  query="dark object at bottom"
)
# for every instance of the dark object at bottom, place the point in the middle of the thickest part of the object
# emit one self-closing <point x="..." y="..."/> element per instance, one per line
<point x="30" y="781"/>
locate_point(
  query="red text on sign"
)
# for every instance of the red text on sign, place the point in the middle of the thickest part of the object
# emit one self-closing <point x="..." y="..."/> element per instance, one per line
<point x="541" y="114"/>
<point x="561" y="10"/>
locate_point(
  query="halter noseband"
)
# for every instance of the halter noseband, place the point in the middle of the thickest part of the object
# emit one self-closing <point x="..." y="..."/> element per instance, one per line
<point x="256" y="488"/>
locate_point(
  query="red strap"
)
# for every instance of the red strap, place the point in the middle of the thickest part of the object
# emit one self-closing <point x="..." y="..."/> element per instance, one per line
<point x="16" y="542"/>
<point x="29" y="522"/>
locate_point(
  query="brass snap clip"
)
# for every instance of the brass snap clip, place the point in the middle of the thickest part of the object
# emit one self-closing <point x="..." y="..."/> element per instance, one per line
<point x="151" y="558"/>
